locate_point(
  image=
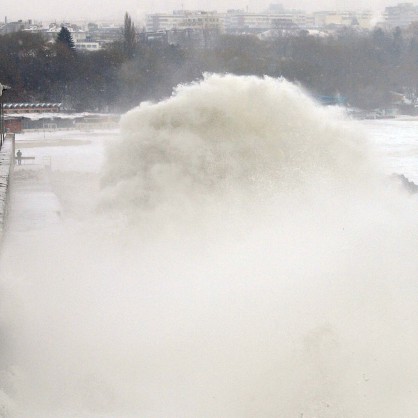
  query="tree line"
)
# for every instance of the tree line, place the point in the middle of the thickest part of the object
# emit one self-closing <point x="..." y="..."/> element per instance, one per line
<point x="366" y="68"/>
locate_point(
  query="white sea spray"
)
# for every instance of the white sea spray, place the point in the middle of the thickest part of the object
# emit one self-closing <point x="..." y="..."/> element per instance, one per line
<point x="247" y="258"/>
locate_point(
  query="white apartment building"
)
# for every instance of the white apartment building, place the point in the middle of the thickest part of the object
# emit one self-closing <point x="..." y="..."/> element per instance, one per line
<point x="236" y="21"/>
<point x="240" y="21"/>
<point x="363" y="19"/>
<point x="183" y="19"/>
<point x="401" y="15"/>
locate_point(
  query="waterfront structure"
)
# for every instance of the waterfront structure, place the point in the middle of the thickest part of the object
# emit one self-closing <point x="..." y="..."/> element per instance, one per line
<point x="32" y="107"/>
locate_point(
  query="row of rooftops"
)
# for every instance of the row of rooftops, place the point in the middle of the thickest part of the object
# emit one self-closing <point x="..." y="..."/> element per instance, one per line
<point x="31" y="105"/>
<point x="31" y="108"/>
<point x="92" y="30"/>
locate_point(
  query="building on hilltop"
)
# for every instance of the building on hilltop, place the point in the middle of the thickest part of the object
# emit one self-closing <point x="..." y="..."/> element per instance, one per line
<point x="401" y="15"/>
<point x="103" y="34"/>
<point x="51" y="32"/>
<point x="184" y="28"/>
<point x="239" y="21"/>
<point x="78" y="34"/>
<point x="87" y="46"/>
<point x="183" y="19"/>
<point x="12" y="27"/>
<point x="276" y="8"/>
<point x="91" y="38"/>
<point x="363" y="19"/>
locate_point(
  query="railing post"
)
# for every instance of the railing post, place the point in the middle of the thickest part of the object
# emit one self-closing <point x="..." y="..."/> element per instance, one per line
<point x="3" y="88"/>
<point x="1" y="123"/>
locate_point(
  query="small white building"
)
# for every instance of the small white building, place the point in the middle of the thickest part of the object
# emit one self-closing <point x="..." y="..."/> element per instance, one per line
<point x="87" y="46"/>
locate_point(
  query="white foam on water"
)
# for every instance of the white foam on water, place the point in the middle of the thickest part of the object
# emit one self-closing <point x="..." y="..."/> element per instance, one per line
<point x="247" y="258"/>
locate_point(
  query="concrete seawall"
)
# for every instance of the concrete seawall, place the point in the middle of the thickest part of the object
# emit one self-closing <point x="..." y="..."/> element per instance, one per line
<point x="6" y="168"/>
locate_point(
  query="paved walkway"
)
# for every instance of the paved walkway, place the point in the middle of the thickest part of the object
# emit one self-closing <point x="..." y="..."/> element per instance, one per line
<point x="33" y="205"/>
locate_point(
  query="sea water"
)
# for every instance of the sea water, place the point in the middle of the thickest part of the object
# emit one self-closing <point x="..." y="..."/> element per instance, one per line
<point x="397" y="141"/>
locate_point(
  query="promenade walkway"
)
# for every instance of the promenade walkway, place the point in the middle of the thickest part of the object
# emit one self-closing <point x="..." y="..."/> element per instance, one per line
<point x="50" y="186"/>
<point x="33" y="204"/>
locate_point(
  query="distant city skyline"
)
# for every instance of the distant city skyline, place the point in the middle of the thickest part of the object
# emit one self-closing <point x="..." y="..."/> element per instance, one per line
<point x="98" y="10"/>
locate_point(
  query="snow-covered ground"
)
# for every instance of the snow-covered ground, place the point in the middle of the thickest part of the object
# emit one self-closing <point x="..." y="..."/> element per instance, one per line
<point x="74" y="159"/>
<point x="59" y="181"/>
<point x="67" y="150"/>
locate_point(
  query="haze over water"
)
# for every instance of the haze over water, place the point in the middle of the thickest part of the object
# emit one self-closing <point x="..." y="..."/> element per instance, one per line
<point x="245" y="256"/>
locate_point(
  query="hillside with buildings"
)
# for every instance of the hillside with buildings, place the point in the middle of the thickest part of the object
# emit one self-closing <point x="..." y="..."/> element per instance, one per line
<point x="276" y="21"/>
<point x="93" y="36"/>
<point x="369" y="59"/>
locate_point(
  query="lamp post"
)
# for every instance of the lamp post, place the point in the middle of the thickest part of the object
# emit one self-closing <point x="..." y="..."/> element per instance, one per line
<point x="3" y="88"/>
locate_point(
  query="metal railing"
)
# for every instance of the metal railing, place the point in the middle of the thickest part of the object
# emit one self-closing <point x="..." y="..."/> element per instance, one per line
<point x="2" y="130"/>
<point x="3" y="88"/>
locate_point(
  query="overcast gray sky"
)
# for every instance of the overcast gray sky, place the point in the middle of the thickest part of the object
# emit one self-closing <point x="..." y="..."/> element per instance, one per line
<point x="99" y="9"/>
